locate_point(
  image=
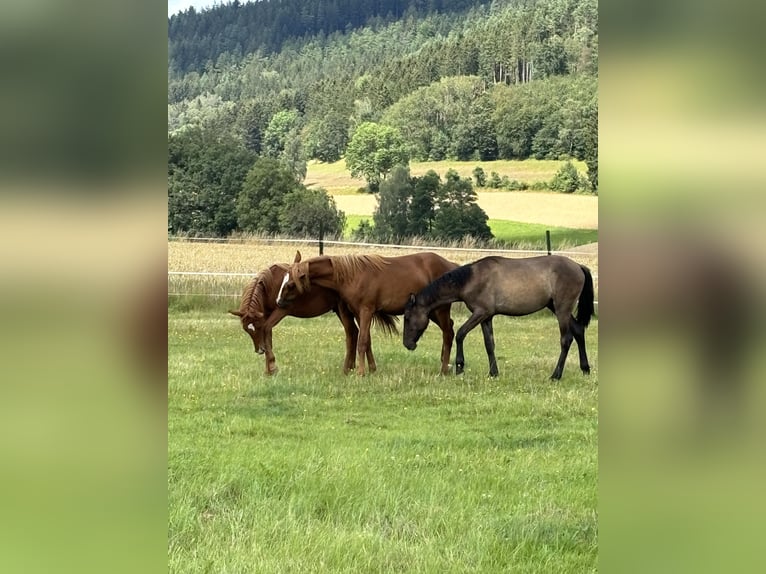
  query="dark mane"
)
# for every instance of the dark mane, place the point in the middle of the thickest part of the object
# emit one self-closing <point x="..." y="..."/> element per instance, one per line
<point x="449" y="282"/>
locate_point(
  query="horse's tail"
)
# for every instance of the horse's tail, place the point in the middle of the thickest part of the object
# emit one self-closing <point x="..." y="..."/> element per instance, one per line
<point x="585" y="309"/>
<point x="386" y="322"/>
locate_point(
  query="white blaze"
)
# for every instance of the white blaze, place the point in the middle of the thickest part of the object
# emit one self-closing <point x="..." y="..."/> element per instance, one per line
<point x="284" y="282"/>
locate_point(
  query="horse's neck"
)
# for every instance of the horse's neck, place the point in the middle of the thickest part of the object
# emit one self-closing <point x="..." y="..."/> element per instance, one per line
<point x="271" y="288"/>
<point x="443" y="295"/>
<point x="321" y="273"/>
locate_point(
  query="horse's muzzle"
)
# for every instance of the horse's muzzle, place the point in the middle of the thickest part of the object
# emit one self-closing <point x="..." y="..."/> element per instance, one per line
<point x="411" y="345"/>
<point x="281" y="303"/>
<point x="259" y="351"/>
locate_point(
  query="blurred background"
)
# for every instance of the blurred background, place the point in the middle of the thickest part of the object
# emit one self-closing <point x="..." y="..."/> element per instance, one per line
<point x="681" y="139"/>
<point x="82" y="286"/>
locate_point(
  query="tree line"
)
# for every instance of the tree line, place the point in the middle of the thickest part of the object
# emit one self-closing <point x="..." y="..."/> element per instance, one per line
<point x="332" y="82"/>
<point x="242" y="28"/>
<point x="390" y="82"/>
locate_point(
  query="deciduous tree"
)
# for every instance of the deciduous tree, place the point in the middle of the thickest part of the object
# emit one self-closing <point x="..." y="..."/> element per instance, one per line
<point x="260" y="202"/>
<point x="373" y="152"/>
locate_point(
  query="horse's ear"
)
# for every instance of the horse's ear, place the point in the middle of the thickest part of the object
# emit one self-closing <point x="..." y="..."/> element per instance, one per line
<point x="237" y="313"/>
<point x="297" y="257"/>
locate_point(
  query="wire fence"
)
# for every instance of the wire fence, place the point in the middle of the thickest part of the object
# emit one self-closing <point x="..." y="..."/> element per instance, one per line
<point x="317" y="243"/>
<point x="229" y="285"/>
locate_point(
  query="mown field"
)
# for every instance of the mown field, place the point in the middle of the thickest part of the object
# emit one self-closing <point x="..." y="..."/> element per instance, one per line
<point x="516" y="218"/>
<point x="399" y="471"/>
<point x="335" y="178"/>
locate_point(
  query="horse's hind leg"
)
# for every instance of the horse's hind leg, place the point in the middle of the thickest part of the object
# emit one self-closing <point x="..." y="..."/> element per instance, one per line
<point x="371" y="365"/>
<point x="579" y="336"/>
<point x="566" y="342"/>
<point x="489" y="345"/>
<point x="349" y="326"/>
<point x="363" y="341"/>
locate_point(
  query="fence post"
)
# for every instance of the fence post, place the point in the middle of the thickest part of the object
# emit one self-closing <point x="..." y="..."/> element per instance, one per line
<point x="321" y="237"/>
<point x="548" y="240"/>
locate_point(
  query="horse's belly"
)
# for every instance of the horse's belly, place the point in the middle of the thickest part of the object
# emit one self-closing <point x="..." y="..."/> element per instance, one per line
<point x="525" y="306"/>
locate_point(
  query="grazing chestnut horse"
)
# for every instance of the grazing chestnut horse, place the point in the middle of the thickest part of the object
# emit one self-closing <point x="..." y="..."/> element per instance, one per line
<point x="500" y="286"/>
<point x="371" y="284"/>
<point x="259" y="314"/>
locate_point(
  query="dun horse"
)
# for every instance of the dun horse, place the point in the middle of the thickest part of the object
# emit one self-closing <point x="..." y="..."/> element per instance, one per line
<point x="497" y="285"/>
<point x="259" y="314"/>
<point x="371" y="284"/>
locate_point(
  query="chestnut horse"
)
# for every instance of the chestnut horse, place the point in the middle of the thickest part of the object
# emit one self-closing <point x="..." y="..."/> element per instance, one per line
<point x="259" y="314"/>
<point x="501" y="286"/>
<point x="371" y="284"/>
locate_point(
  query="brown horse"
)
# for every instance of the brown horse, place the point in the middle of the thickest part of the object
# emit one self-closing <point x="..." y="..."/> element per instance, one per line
<point x="259" y="314"/>
<point x="500" y="286"/>
<point x="371" y="284"/>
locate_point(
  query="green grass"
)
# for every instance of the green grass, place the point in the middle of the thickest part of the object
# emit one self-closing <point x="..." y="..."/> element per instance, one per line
<point x="400" y="471"/>
<point x="532" y="235"/>
<point x="515" y="233"/>
<point x="352" y="222"/>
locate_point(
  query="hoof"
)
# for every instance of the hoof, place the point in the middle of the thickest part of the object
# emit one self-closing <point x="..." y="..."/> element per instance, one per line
<point x="491" y="374"/>
<point x="459" y="369"/>
<point x="586" y="370"/>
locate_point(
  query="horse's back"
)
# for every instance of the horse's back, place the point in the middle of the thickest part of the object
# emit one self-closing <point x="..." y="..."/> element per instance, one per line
<point x="389" y="288"/>
<point x="525" y="285"/>
<point x="425" y="264"/>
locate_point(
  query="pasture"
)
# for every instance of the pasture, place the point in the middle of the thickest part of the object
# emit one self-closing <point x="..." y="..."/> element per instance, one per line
<point x="399" y="471"/>
<point x="513" y="233"/>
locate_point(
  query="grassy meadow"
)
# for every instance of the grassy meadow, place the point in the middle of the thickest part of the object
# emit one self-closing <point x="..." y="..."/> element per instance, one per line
<point x="399" y="471"/>
<point x="515" y="233"/>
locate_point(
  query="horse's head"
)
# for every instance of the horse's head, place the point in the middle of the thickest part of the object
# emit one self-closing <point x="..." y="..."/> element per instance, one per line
<point x="253" y="326"/>
<point x="251" y="313"/>
<point x="295" y="282"/>
<point x="415" y="322"/>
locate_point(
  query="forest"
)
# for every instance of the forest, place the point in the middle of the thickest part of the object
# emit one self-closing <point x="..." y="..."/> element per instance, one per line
<point x="295" y="81"/>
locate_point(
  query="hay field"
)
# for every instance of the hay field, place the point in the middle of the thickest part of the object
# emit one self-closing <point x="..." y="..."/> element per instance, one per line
<point x="557" y="209"/>
<point x="335" y="178"/>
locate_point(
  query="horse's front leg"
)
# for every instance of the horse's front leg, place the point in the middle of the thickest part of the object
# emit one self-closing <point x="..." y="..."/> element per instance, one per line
<point x="271" y="362"/>
<point x="477" y="317"/>
<point x="442" y="318"/>
<point x="489" y="345"/>
<point x="363" y="341"/>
